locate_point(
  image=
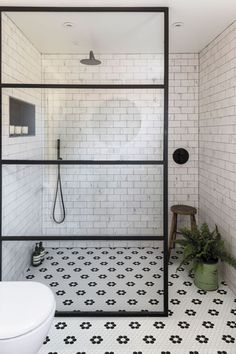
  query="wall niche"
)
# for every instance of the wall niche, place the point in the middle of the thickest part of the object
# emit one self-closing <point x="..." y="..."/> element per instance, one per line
<point x="22" y="118"/>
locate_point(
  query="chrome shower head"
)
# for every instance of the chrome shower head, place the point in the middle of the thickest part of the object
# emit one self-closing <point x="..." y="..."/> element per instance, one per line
<point x="91" y="60"/>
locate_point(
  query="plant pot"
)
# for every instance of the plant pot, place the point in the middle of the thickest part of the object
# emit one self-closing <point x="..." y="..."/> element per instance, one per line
<point x="206" y="276"/>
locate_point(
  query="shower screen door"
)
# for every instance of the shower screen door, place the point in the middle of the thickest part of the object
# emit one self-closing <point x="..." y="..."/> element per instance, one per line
<point x="112" y="120"/>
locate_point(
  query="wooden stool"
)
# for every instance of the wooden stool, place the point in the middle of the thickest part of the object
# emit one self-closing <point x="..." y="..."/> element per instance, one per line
<point x="180" y="210"/>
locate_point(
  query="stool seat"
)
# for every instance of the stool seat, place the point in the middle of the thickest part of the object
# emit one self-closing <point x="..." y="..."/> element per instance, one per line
<point x="183" y="209"/>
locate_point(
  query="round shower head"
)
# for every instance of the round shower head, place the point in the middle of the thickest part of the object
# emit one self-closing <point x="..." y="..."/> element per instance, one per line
<point x="91" y="60"/>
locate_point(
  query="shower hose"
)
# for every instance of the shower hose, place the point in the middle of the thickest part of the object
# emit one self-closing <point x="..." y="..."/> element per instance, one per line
<point x="59" y="193"/>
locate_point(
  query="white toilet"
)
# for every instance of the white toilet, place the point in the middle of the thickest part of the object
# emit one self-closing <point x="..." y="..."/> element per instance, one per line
<point x="26" y="313"/>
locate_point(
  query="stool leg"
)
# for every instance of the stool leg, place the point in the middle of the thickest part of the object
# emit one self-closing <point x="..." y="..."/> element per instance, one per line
<point x="172" y="232"/>
<point x="175" y="228"/>
<point x="193" y="222"/>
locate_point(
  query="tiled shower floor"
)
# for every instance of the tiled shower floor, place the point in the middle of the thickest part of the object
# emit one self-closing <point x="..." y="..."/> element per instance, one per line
<point x="198" y="323"/>
<point x="103" y="279"/>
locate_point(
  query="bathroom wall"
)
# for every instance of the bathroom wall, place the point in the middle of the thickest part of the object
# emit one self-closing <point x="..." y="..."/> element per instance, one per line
<point x="217" y="138"/>
<point x="110" y="199"/>
<point x="115" y="124"/>
<point x="105" y="125"/>
<point x="22" y="185"/>
<point x="183" y="130"/>
<point x="115" y="69"/>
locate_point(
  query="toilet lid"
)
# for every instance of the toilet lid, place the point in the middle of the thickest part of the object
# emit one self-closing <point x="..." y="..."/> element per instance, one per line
<point x="24" y="306"/>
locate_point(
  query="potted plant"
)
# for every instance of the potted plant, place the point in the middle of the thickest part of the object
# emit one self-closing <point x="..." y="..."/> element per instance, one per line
<point x="204" y="248"/>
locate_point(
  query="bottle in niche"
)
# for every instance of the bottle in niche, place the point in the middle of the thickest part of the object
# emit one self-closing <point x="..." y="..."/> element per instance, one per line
<point x="42" y="251"/>
<point x="36" y="257"/>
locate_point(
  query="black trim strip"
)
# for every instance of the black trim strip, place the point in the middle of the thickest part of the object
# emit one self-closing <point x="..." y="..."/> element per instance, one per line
<point x="81" y="162"/>
<point x="82" y="238"/>
<point x="165" y="159"/>
<point x="84" y="86"/>
<point x="110" y="314"/>
<point x="1" y="147"/>
<point x="82" y="9"/>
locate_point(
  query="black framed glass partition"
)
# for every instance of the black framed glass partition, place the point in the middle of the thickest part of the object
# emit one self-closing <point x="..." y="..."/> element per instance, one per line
<point x="128" y="42"/>
<point x="84" y="156"/>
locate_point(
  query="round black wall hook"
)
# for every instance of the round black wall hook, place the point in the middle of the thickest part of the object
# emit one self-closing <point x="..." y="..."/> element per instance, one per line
<point x="180" y="156"/>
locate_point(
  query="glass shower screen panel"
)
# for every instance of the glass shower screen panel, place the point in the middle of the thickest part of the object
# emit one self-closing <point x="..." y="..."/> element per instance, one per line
<point x="90" y="278"/>
<point x="50" y="47"/>
<point x="22" y="124"/>
<point x="92" y="124"/>
<point x="99" y="200"/>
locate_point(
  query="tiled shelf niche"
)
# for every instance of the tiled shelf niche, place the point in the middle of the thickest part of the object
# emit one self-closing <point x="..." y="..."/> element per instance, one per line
<point x="22" y="117"/>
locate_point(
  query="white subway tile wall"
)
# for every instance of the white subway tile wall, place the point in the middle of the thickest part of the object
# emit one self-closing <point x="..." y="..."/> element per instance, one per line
<point x="115" y="69"/>
<point x="22" y="193"/>
<point x="217" y="154"/>
<point x="104" y="124"/>
<point x="112" y="124"/>
<point x="106" y="200"/>
<point x="21" y="61"/>
<point x="183" y="130"/>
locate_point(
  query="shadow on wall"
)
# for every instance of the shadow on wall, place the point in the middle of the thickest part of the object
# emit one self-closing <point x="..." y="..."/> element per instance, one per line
<point x="121" y="125"/>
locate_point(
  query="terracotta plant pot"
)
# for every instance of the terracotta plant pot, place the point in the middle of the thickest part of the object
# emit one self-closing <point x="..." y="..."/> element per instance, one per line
<point x="206" y="276"/>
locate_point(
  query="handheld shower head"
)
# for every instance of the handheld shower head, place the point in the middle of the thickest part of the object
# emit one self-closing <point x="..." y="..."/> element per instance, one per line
<point x="59" y="192"/>
<point x="58" y="149"/>
<point x="91" y="60"/>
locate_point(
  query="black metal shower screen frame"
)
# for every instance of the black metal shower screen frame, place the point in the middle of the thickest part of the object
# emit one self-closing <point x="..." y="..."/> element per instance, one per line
<point x="163" y="162"/>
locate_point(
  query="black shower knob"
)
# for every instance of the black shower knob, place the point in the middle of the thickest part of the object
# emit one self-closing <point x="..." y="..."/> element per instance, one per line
<point x="180" y="156"/>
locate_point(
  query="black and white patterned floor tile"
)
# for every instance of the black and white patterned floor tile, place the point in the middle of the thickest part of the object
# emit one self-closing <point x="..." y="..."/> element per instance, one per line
<point x="198" y="323"/>
<point x="104" y="279"/>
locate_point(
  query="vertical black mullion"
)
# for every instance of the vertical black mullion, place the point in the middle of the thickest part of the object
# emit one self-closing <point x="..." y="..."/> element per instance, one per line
<point x="165" y="156"/>
<point x="165" y="149"/>
<point x="0" y="146"/>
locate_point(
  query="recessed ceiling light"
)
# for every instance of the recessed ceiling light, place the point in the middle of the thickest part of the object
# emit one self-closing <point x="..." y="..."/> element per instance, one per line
<point x="177" y="24"/>
<point x="68" y="24"/>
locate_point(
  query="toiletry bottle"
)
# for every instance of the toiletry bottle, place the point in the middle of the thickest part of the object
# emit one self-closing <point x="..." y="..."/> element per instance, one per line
<point x="36" y="258"/>
<point x="42" y="251"/>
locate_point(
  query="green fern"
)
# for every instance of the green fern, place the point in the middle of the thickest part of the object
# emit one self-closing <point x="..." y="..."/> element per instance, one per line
<point x="201" y="245"/>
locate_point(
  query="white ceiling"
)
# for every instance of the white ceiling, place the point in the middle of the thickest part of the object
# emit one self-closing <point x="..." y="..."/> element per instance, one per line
<point x="203" y="19"/>
<point x="104" y="33"/>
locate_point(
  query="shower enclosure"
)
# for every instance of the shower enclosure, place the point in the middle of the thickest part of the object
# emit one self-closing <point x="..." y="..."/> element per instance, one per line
<point x="109" y="255"/>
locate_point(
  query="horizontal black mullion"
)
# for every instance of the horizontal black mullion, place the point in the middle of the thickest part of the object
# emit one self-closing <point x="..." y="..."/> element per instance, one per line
<point x="111" y="314"/>
<point x="85" y="86"/>
<point x="82" y="9"/>
<point x="81" y="162"/>
<point x="82" y="238"/>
